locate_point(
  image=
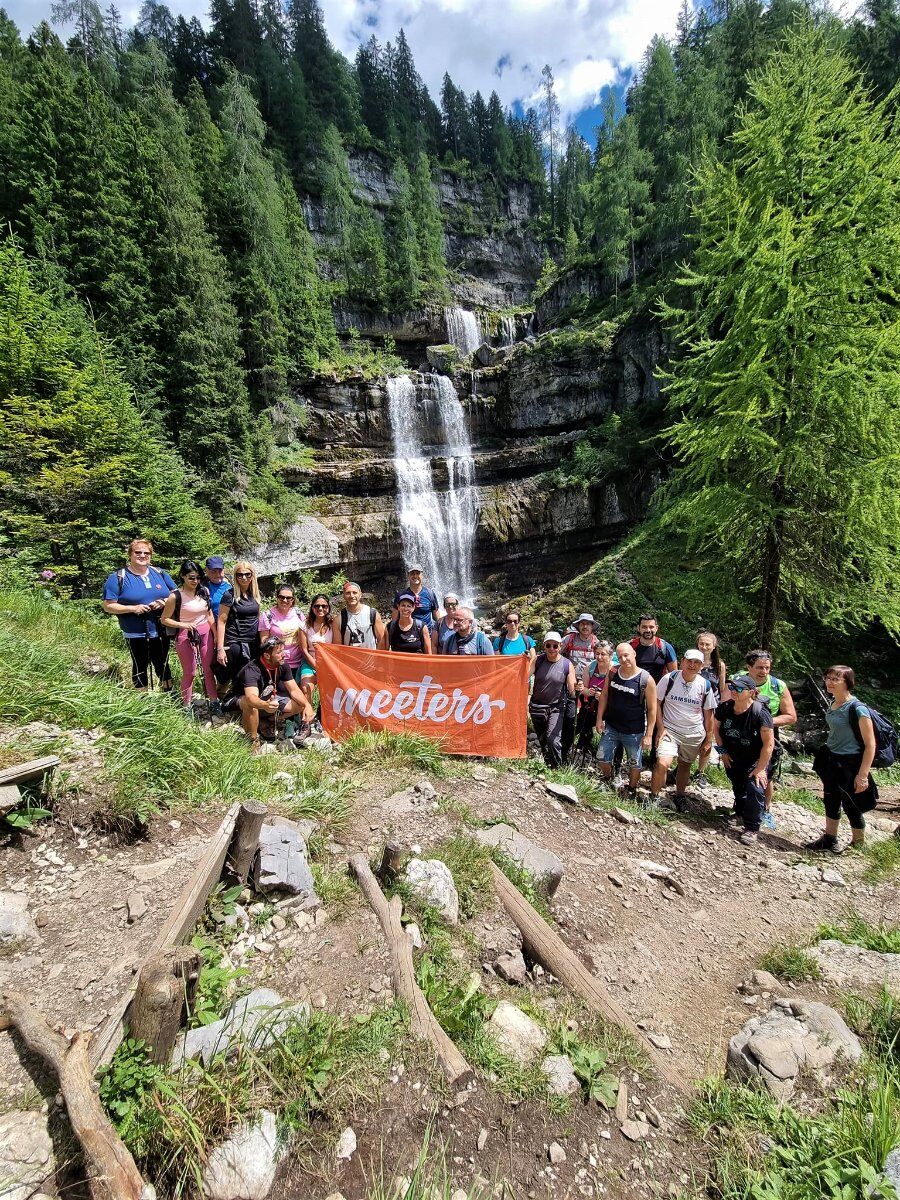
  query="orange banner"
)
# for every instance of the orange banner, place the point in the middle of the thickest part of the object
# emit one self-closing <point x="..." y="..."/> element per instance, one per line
<point x="468" y="703"/>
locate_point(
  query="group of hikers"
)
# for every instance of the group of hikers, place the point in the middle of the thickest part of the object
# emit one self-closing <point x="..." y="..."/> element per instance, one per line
<point x="645" y="705"/>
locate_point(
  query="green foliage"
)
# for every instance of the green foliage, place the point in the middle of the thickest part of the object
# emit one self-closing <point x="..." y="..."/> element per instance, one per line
<point x="393" y="752"/>
<point x="26" y="816"/>
<point x="877" y="1021"/>
<point x="791" y="963"/>
<point x="80" y="473"/>
<point x="215" y="983"/>
<point x="792" y="349"/>
<point x="467" y="861"/>
<point x="590" y="1064"/>
<point x="883" y="859"/>
<point x="457" y="1001"/>
<point x="854" y="930"/>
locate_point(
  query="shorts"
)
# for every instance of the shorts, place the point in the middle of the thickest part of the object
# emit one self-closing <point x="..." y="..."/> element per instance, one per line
<point x="683" y="746"/>
<point x="306" y="670"/>
<point x="630" y="743"/>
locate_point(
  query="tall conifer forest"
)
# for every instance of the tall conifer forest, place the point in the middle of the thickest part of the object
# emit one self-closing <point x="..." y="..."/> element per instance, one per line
<point x="162" y="300"/>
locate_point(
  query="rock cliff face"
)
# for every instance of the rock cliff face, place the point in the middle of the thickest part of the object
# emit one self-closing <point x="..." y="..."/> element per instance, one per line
<point x="524" y="415"/>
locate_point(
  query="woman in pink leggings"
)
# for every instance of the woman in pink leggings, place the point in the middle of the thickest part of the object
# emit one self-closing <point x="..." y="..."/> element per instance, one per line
<point x="189" y="612"/>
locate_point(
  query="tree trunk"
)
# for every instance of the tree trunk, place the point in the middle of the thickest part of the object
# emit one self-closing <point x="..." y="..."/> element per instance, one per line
<point x="771" y="583"/>
<point x="166" y="986"/>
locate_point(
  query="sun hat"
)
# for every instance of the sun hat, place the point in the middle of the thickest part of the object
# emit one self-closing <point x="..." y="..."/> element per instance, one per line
<point x="585" y="617"/>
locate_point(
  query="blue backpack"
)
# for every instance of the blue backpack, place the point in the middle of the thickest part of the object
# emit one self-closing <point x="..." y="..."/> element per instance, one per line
<point x="887" y="749"/>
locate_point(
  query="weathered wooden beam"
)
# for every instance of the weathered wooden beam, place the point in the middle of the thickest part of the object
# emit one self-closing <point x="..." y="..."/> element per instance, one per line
<point x="544" y="945"/>
<point x="166" y="986"/>
<point x="391" y="861"/>
<point x="245" y="841"/>
<point x="423" y="1022"/>
<point x="112" y="1173"/>
<point x="28" y="771"/>
<point x="175" y="930"/>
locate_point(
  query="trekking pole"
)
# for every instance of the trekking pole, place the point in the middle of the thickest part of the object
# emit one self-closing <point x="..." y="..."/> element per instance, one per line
<point x="149" y="659"/>
<point x="194" y="639"/>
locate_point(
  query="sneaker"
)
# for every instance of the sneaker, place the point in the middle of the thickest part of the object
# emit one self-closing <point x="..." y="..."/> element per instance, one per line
<point x="215" y="708"/>
<point x="823" y="844"/>
<point x="748" y="837"/>
<point x="702" y="784"/>
<point x="680" y="801"/>
<point x="768" y="821"/>
<point x="650" y="802"/>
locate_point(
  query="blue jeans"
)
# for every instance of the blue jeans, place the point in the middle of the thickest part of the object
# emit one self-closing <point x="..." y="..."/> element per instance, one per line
<point x="749" y="797"/>
<point x="630" y="743"/>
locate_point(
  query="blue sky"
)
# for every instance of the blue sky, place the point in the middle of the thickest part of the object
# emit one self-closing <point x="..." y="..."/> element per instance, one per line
<point x="486" y="44"/>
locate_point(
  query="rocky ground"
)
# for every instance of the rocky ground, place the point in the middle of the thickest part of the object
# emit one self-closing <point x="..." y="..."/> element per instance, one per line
<point x="672" y="917"/>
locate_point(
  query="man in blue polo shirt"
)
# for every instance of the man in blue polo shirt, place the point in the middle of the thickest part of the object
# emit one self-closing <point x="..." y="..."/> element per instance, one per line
<point x="136" y="595"/>
<point x="426" y="609"/>
<point x="216" y="583"/>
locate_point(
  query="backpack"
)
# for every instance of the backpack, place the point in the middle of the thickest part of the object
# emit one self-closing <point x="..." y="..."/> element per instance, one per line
<point x="419" y="627"/>
<point x="887" y="749"/>
<point x="569" y="641"/>
<point x="373" y="616"/>
<point x="503" y="639"/>
<point x="480" y="639"/>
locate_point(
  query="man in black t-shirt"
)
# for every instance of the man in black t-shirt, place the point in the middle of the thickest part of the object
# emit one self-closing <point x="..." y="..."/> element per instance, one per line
<point x="745" y="740"/>
<point x="265" y="691"/>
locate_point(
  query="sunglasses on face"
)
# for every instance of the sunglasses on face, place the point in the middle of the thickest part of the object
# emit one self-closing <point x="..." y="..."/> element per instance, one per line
<point x="738" y="687"/>
<point x="191" y="578"/>
<point x="285" y="597"/>
<point x="551" y="645"/>
<point x="243" y="574"/>
<point x="512" y="620"/>
<point x="322" y="607"/>
<point x="141" y="553"/>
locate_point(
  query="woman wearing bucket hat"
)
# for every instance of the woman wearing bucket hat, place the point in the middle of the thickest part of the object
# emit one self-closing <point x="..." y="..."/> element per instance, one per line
<point x="580" y="648"/>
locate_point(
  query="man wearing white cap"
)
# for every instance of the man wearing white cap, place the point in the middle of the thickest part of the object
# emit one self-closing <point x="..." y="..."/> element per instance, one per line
<point x="685" y="702"/>
<point x="554" y="686"/>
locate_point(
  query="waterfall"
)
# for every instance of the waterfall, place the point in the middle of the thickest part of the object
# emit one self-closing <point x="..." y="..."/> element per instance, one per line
<point x="507" y="331"/>
<point x="463" y="329"/>
<point x="437" y="530"/>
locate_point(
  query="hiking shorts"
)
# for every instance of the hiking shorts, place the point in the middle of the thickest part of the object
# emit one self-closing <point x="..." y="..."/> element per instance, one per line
<point x="630" y="743"/>
<point x="683" y="746"/>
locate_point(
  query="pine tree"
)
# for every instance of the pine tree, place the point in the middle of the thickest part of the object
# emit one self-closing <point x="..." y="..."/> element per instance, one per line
<point x="402" y="239"/>
<point x="429" y="231"/>
<point x="550" y="128"/>
<point x="618" y="194"/>
<point x="784" y="406"/>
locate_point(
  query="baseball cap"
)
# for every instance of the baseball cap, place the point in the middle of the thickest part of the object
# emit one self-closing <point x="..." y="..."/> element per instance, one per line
<point x="552" y="636"/>
<point x="747" y="682"/>
<point x="414" y="567"/>
<point x="216" y="563"/>
<point x="407" y="596"/>
<point x="694" y="655"/>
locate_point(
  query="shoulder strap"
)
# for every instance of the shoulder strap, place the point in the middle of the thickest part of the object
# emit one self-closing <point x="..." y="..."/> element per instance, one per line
<point x="670" y="683"/>
<point x="645" y="675"/>
<point x="176" y="611"/>
<point x="501" y="642"/>
<point x="634" y="643"/>
<point x="853" y="717"/>
<point x="120" y="576"/>
<point x="373" y="615"/>
<point x="420" y="626"/>
<point x="344" y="619"/>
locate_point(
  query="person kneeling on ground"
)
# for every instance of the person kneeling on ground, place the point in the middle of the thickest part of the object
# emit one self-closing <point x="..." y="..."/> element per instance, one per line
<point x="844" y="762"/>
<point x="265" y="689"/>
<point x="684" y="708"/>
<point x="626" y="715"/>
<point x="554" y="685"/>
<point x="745" y="740"/>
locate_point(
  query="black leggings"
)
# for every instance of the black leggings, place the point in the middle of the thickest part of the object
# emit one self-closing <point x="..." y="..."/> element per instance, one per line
<point x="837" y="772"/>
<point x="149" y="651"/>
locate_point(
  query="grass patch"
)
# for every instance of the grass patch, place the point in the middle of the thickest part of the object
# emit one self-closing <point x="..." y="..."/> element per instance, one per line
<point x="153" y="759"/>
<point x="802" y="797"/>
<point x="856" y="931"/>
<point x="335" y="889"/>
<point x="883" y="859"/>
<point x="430" y="1179"/>
<point x="761" y="1150"/>
<point x="317" y="1067"/>
<point x="468" y="862"/>
<point x="791" y="963"/>
<point x="393" y="752"/>
<point x="877" y="1021"/>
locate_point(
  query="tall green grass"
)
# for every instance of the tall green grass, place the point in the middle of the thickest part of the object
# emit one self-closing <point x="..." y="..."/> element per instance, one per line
<point x="153" y="758"/>
<point x="393" y="752"/>
<point x="855" y="930"/>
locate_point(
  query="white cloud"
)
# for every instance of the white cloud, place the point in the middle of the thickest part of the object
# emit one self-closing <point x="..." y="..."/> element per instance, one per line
<point x="484" y="44"/>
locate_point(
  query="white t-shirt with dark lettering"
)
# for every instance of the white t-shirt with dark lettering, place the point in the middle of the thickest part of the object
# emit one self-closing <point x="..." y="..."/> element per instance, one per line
<point x="684" y="703"/>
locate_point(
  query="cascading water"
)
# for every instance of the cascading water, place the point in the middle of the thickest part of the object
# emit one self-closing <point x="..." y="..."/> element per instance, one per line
<point x="437" y="530"/>
<point x="463" y="329"/>
<point x="507" y="331"/>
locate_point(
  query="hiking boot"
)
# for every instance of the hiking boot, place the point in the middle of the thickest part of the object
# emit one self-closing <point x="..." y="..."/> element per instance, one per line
<point x="825" y="843"/>
<point x="748" y="837"/>
<point x="702" y="784"/>
<point x="651" y="802"/>
<point x="680" y="801"/>
<point x="768" y="821"/>
<point x="215" y="708"/>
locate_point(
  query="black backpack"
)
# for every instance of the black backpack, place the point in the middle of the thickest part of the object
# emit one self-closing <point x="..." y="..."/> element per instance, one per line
<point x="373" y="617"/>
<point x="887" y="749"/>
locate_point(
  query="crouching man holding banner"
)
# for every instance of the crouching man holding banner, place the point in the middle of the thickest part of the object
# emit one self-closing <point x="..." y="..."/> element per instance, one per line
<point x="472" y="705"/>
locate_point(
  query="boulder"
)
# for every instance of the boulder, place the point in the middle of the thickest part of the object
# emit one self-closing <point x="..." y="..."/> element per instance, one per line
<point x="256" y="1019"/>
<point x="281" y="864"/>
<point x="517" y="1034"/>
<point x="856" y="969"/>
<point x="17" y="927"/>
<point x="561" y="1079"/>
<point x="891" y="1168"/>
<point x="244" y="1166"/>
<point x="432" y="881"/>
<point x="443" y="358"/>
<point x="26" y="1155"/>
<point x="511" y="967"/>
<point x="562" y="791"/>
<point x="488" y="356"/>
<point x="544" y="865"/>
<point x="793" y="1035"/>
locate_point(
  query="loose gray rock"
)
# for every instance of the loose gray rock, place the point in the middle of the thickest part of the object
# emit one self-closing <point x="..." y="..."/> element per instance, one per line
<point x="891" y="1168"/>
<point x="26" y="1154"/>
<point x="136" y="906"/>
<point x="623" y="816"/>
<point x="635" y="1131"/>
<point x="763" y="981"/>
<point x="561" y="1078"/>
<point x="562" y="791"/>
<point x="835" y="878"/>
<point x="511" y="967"/>
<point x="544" y="865"/>
<point x="17" y="926"/>
<point x="517" y="1034"/>
<point x="483" y="774"/>
<point x="257" y="1019"/>
<point x="556" y="1154"/>
<point x="432" y="881"/>
<point x="794" y="1034"/>
<point x="346" y="1146"/>
<point x="855" y="968"/>
<point x="281" y="864"/>
<point x="244" y="1166"/>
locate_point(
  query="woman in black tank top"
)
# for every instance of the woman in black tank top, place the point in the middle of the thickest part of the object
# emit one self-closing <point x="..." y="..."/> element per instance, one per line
<point x="237" y="629"/>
